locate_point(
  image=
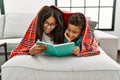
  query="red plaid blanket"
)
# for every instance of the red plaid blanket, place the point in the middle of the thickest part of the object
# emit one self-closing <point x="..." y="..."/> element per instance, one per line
<point x="89" y="44"/>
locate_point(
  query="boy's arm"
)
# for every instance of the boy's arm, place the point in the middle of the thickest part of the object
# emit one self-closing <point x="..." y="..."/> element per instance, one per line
<point x="66" y="36"/>
<point x="76" y="51"/>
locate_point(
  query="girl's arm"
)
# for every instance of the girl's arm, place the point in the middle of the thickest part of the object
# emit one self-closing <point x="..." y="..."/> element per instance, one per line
<point x="37" y="49"/>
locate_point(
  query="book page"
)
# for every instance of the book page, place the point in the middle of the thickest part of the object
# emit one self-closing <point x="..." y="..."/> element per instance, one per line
<point x="64" y="49"/>
<point x="50" y="47"/>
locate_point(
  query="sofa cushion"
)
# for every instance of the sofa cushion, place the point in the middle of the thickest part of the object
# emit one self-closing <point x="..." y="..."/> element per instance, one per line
<point x="11" y="44"/>
<point x="44" y="67"/>
<point x="16" y="25"/>
<point x="1" y="25"/>
<point x="92" y="24"/>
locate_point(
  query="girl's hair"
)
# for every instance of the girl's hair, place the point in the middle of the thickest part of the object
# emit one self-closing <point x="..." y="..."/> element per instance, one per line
<point x="77" y="19"/>
<point x="58" y="32"/>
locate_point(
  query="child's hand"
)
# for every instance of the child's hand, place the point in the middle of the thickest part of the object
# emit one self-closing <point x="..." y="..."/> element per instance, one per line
<point x="76" y="52"/>
<point x="66" y="36"/>
<point x="37" y="49"/>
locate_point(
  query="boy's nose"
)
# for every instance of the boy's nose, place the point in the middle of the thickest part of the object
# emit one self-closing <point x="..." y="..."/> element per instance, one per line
<point x="70" y="34"/>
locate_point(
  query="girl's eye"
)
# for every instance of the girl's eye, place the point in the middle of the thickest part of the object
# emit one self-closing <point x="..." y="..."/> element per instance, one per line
<point x="49" y="24"/>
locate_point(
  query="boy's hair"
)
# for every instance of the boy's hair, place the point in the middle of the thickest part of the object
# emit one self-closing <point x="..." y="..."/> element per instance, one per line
<point x="77" y="19"/>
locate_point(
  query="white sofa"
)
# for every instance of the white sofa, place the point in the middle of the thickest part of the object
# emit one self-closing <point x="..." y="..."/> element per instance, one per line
<point x="14" y="26"/>
<point x="108" y="42"/>
<point x="41" y="67"/>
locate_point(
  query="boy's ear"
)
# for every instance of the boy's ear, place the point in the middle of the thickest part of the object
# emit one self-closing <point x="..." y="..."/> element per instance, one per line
<point x="83" y="30"/>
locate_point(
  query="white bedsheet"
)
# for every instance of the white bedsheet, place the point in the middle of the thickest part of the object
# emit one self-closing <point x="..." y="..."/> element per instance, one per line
<point x="43" y="67"/>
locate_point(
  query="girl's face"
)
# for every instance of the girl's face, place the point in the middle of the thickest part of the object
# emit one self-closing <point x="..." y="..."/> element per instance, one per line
<point x="49" y="25"/>
<point x="73" y="32"/>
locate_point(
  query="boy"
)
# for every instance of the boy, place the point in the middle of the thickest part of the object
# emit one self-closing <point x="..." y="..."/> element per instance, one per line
<point x="78" y="31"/>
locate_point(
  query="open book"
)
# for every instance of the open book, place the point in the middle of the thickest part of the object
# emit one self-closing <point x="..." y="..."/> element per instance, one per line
<point x="63" y="49"/>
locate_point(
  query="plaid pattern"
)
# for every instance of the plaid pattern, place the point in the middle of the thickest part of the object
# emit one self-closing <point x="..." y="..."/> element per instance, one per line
<point x="89" y="45"/>
<point x="27" y="41"/>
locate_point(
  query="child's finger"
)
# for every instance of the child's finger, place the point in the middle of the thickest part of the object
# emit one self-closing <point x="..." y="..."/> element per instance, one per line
<point x="66" y="36"/>
<point x="43" y="47"/>
<point x="76" y="51"/>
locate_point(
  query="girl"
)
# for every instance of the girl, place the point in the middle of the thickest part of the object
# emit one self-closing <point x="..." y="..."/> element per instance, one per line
<point x="78" y="31"/>
<point x="47" y="26"/>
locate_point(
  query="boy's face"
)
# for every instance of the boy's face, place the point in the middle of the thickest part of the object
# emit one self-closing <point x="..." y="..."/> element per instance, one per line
<point x="73" y="32"/>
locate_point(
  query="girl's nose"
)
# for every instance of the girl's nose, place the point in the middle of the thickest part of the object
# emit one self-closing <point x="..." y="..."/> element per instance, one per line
<point x="49" y="26"/>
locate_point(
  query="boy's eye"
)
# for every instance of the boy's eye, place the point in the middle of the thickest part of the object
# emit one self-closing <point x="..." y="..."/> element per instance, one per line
<point x="68" y="29"/>
<point x="74" y="32"/>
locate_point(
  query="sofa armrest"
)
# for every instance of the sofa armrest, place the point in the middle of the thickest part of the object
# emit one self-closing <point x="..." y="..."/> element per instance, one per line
<point x="108" y="42"/>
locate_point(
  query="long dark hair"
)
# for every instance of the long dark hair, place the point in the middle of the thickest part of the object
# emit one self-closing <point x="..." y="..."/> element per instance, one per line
<point x="58" y="32"/>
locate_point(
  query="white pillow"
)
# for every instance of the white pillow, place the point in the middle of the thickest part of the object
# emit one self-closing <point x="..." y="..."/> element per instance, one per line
<point x="1" y="25"/>
<point x="16" y="25"/>
<point x="92" y="25"/>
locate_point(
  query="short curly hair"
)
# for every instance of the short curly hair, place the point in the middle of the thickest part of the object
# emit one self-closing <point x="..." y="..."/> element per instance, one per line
<point x="77" y="19"/>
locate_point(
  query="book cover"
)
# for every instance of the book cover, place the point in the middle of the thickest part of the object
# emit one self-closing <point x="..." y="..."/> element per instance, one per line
<point x="64" y="49"/>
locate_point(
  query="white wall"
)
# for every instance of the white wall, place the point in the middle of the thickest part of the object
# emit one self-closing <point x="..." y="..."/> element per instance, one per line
<point x="25" y="6"/>
<point x="30" y="6"/>
<point x="117" y="23"/>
